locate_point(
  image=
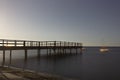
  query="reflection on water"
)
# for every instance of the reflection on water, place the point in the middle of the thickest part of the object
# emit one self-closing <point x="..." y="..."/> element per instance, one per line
<point x="91" y="65"/>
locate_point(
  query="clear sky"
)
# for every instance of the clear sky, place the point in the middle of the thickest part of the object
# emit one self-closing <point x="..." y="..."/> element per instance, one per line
<point x="89" y="21"/>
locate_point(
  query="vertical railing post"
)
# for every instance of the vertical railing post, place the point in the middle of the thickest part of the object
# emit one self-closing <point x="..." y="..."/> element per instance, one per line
<point x="36" y="43"/>
<point x="39" y="44"/>
<point x="15" y="43"/>
<point x="24" y="43"/>
<point x="60" y="43"/>
<point x="68" y="44"/>
<point x="54" y="43"/>
<point x="74" y="44"/>
<point x="6" y="43"/>
<point x="3" y="43"/>
<point x="46" y="43"/>
<point x="31" y="43"/>
<point x="78" y="44"/>
<point x="50" y="43"/>
<point x="60" y="47"/>
<point x="64" y="44"/>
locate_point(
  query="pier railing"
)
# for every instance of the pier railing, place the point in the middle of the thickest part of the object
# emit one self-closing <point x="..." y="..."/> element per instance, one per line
<point x="26" y="43"/>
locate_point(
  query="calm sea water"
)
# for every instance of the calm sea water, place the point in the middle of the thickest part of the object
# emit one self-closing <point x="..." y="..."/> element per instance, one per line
<point x="90" y="65"/>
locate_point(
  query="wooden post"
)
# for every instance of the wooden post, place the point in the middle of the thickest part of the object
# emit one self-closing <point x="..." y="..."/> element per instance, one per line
<point x="55" y="47"/>
<point x="76" y="50"/>
<point x="39" y="51"/>
<point x="47" y="51"/>
<point x="39" y="44"/>
<point x="65" y="51"/>
<point x="46" y="44"/>
<point x="3" y="63"/>
<point x="15" y="43"/>
<point x="55" y="44"/>
<point x="70" y="50"/>
<point x="81" y="48"/>
<point x="58" y="51"/>
<point x="30" y="43"/>
<point x="62" y="50"/>
<point x="25" y="54"/>
<point x="7" y="43"/>
<point x="54" y="51"/>
<point x="50" y="51"/>
<point x="3" y="43"/>
<point x="24" y="43"/>
<point x="36" y="43"/>
<point x="10" y="56"/>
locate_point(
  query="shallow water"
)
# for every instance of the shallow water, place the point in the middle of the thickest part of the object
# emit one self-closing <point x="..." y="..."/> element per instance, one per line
<point x="90" y="65"/>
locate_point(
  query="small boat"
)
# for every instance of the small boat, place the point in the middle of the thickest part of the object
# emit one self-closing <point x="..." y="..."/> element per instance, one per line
<point x="83" y="48"/>
<point x="104" y="49"/>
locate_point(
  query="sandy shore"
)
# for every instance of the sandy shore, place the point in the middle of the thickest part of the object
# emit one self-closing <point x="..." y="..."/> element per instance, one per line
<point x="7" y="73"/>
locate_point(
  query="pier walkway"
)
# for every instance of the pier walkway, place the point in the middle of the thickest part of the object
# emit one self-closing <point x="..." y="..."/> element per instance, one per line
<point x="52" y="47"/>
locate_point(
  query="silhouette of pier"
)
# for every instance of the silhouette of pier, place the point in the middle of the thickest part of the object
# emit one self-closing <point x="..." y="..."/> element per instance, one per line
<point x="52" y="47"/>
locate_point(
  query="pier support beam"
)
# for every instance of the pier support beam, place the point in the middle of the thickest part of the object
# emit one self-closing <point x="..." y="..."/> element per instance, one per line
<point x="25" y="54"/>
<point x="10" y="57"/>
<point x="38" y="54"/>
<point x="50" y="52"/>
<point x="47" y="51"/>
<point x="54" y="51"/>
<point x="65" y="51"/>
<point x="3" y="63"/>
<point x="70" y="50"/>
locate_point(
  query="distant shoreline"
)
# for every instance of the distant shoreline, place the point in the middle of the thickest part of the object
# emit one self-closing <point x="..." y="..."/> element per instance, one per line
<point x="101" y="46"/>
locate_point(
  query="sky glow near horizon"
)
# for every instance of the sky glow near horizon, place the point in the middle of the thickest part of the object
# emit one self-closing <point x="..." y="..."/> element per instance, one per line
<point x="92" y="22"/>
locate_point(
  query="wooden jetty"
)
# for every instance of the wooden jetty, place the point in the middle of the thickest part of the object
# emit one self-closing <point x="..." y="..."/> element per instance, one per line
<point x="57" y="47"/>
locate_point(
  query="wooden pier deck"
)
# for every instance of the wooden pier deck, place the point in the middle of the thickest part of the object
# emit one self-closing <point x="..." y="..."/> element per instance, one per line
<point x="58" y="47"/>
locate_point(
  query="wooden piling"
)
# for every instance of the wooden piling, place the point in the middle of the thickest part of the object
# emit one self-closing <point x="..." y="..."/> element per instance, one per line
<point x="76" y="50"/>
<point x="3" y="63"/>
<point x="70" y="51"/>
<point x="25" y="54"/>
<point x="50" y="52"/>
<point x="47" y="51"/>
<point x="38" y="54"/>
<point x="10" y="57"/>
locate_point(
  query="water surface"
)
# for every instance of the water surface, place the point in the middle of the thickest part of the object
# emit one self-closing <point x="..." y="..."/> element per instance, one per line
<point x="90" y="65"/>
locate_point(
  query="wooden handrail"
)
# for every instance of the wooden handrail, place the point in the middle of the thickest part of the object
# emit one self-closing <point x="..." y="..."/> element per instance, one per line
<point x="26" y="43"/>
